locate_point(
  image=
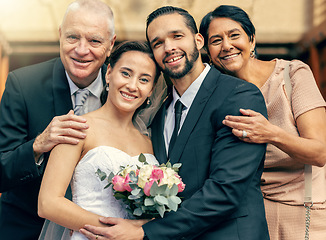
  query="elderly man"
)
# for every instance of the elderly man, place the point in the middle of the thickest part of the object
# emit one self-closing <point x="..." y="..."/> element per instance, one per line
<point x="36" y="111"/>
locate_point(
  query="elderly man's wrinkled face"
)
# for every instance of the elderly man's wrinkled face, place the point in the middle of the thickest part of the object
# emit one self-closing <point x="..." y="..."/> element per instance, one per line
<point x="84" y="45"/>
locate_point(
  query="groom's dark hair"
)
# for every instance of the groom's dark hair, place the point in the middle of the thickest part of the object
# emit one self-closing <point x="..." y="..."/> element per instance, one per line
<point x="189" y="20"/>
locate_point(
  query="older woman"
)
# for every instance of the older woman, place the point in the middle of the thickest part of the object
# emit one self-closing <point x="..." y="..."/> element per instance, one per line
<point x="295" y="131"/>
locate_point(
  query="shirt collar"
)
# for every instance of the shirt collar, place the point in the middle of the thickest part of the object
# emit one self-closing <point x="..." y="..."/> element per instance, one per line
<point x="189" y="95"/>
<point x="95" y="88"/>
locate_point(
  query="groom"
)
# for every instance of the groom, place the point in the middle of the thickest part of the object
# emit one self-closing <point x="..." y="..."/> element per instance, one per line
<point x="222" y="198"/>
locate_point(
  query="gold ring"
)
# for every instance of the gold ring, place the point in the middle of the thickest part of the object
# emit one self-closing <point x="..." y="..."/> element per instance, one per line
<point x="96" y="237"/>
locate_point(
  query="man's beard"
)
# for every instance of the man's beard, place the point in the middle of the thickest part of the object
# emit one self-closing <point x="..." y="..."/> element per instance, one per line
<point x="188" y="66"/>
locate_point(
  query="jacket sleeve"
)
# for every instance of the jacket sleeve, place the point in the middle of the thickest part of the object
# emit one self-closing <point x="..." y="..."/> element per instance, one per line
<point x="17" y="164"/>
<point x="234" y="166"/>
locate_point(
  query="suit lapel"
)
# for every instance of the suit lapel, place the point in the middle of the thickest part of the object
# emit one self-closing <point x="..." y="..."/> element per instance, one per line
<point x="61" y="91"/>
<point x="158" y="132"/>
<point x="204" y="93"/>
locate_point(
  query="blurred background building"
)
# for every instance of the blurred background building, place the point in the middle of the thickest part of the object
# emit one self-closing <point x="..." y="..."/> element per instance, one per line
<point x="284" y="28"/>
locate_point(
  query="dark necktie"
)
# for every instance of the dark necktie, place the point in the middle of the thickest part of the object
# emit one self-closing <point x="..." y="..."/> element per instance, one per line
<point x="178" y="107"/>
<point x="81" y="96"/>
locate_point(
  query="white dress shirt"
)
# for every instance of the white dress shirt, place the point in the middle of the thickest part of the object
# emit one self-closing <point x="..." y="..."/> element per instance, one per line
<point x="95" y="89"/>
<point x="187" y="98"/>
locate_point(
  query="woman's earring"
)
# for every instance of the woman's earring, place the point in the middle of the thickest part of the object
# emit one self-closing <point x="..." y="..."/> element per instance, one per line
<point x="107" y="87"/>
<point x="148" y="101"/>
<point x="252" y="54"/>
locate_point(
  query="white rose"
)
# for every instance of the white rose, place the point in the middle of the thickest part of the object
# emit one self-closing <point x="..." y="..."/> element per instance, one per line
<point x="169" y="177"/>
<point x="144" y="175"/>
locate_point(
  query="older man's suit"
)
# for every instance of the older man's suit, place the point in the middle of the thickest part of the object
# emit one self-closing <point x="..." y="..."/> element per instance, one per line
<point x="33" y="96"/>
<point x="222" y="197"/>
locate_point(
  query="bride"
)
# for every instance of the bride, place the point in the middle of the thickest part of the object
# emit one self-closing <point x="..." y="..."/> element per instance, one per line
<point x="112" y="141"/>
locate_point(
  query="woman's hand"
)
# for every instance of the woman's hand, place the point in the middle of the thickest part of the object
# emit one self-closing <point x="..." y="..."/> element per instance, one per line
<point x="308" y="147"/>
<point x="257" y="128"/>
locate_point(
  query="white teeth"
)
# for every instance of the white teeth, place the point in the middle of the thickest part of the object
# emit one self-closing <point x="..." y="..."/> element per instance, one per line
<point x="127" y="96"/>
<point x="230" y="56"/>
<point x="174" y="59"/>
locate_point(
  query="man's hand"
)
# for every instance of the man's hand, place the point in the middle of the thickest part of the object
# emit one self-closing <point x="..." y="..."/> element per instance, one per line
<point x="118" y="228"/>
<point x="67" y="128"/>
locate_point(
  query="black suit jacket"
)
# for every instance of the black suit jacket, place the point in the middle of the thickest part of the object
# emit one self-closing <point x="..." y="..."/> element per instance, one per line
<point x="222" y="197"/>
<point x="33" y="96"/>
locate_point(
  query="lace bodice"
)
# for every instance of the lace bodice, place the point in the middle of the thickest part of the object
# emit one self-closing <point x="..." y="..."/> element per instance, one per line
<point x="88" y="190"/>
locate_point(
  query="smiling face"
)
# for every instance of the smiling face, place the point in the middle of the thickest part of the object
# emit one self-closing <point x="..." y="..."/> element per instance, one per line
<point x="175" y="47"/>
<point x="85" y="42"/>
<point x="228" y="45"/>
<point x="131" y="80"/>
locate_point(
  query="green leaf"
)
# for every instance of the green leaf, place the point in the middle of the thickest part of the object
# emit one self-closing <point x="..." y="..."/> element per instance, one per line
<point x="129" y="211"/>
<point x="174" y="190"/>
<point x="111" y="175"/>
<point x="162" y="165"/>
<point x="133" y="197"/>
<point x="149" y="202"/>
<point x="118" y="196"/>
<point x="154" y="189"/>
<point x="161" y="200"/>
<point x="139" y="201"/>
<point x="167" y="191"/>
<point x="100" y="174"/>
<point x="163" y="189"/>
<point x="175" y="199"/>
<point x="160" y="209"/>
<point x="133" y="185"/>
<point x="133" y="176"/>
<point x="176" y="167"/>
<point x="168" y="164"/>
<point x="138" y="212"/>
<point x="172" y="204"/>
<point x="135" y="191"/>
<point x="159" y="190"/>
<point x="142" y="158"/>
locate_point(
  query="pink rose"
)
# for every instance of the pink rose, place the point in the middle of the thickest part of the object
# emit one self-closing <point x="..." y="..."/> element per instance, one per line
<point x="126" y="185"/>
<point x="157" y="174"/>
<point x="147" y="188"/>
<point x="181" y="185"/>
<point x="118" y="183"/>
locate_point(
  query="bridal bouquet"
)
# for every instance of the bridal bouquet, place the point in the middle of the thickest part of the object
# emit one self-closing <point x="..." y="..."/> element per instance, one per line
<point x="149" y="191"/>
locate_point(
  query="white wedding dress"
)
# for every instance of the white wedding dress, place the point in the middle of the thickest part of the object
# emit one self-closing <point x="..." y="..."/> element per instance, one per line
<point x="88" y="190"/>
